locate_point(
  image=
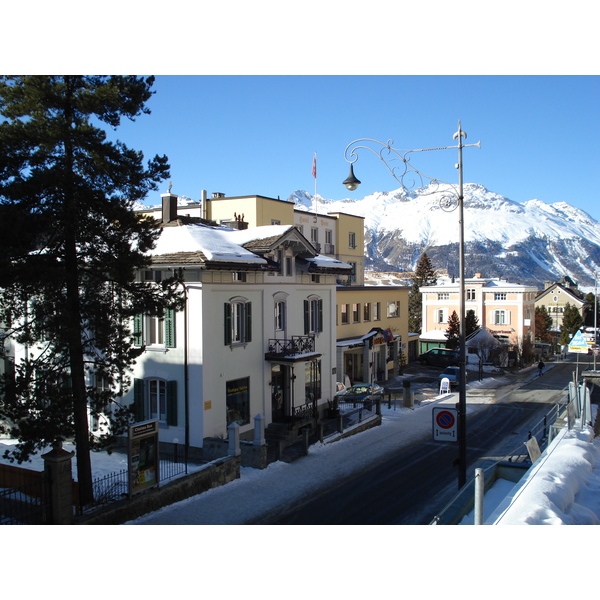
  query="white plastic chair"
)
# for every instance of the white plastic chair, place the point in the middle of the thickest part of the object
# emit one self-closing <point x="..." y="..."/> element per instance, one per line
<point x="445" y="386"/>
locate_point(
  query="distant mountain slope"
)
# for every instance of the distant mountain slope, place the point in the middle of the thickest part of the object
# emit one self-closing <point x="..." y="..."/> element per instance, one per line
<point x="526" y="243"/>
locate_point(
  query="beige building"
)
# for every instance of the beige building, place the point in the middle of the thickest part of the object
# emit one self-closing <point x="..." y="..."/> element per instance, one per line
<point x="555" y="296"/>
<point x="506" y="310"/>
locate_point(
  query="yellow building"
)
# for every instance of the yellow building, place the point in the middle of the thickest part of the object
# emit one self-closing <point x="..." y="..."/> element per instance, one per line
<point x="372" y="331"/>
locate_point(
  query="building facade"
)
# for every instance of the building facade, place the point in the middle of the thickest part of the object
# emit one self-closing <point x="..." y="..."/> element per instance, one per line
<point x="506" y="310"/>
<point x="256" y="337"/>
<point x="555" y="296"/>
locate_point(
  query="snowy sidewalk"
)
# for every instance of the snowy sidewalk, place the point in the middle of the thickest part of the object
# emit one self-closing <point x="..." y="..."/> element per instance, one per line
<point x="282" y="485"/>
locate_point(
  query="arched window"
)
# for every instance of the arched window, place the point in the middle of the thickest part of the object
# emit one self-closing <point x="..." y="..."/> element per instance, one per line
<point x="313" y="315"/>
<point x="238" y="321"/>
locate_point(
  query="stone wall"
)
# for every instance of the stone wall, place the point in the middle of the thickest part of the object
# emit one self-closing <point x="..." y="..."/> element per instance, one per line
<point x="217" y="473"/>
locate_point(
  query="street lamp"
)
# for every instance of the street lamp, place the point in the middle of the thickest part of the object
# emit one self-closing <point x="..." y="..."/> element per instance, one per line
<point x="398" y="164"/>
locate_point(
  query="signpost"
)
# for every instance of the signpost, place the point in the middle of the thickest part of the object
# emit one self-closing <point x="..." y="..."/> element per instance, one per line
<point x="578" y="344"/>
<point x="143" y="456"/>
<point x="445" y="424"/>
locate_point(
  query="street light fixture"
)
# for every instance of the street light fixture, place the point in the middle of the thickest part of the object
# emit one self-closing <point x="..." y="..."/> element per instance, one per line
<point x="403" y="172"/>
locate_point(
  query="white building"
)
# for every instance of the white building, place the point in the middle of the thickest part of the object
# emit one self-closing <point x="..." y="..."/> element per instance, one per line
<point x="257" y="334"/>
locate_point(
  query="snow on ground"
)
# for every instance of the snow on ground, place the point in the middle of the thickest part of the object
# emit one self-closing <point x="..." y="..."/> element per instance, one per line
<point x="461" y="560"/>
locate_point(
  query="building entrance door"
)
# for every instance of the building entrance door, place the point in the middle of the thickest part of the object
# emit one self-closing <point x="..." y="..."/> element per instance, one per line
<point x="279" y="391"/>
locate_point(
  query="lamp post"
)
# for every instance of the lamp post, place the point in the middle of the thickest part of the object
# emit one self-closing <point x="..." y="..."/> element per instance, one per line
<point x="398" y="164"/>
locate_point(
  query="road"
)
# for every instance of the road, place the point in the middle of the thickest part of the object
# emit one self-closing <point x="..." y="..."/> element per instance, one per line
<point x="415" y="483"/>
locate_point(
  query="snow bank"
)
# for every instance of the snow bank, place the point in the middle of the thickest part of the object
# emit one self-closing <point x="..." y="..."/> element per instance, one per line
<point x="561" y="488"/>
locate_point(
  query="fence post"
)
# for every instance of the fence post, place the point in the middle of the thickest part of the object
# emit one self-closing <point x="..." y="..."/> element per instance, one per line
<point x="479" y="493"/>
<point x="59" y="482"/>
<point x="233" y="435"/>
<point x="259" y="430"/>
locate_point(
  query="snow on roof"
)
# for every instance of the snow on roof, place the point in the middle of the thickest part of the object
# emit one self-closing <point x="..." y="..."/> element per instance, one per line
<point x="435" y="334"/>
<point x="216" y="243"/>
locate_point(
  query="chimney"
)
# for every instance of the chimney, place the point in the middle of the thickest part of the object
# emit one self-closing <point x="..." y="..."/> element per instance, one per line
<point x="169" y="207"/>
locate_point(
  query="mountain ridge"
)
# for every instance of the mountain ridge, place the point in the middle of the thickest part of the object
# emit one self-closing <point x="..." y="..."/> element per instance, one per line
<point x="528" y="243"/>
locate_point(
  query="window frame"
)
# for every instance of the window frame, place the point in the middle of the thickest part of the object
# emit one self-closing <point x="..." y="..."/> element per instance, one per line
<point x="237" y="322"/>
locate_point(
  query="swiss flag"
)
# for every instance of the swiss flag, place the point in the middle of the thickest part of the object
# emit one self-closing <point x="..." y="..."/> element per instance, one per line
<point x="314" y="167"/>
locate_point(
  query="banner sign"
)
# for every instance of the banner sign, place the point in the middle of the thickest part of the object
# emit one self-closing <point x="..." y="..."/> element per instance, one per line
<point x="143" y="458"/>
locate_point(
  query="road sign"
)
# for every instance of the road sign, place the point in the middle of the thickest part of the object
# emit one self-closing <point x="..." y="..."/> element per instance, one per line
<point x="578" y="344"/>
<point x="445" y="424"/>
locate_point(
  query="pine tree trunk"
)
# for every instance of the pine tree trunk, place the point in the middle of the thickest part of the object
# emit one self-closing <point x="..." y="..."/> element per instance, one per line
<point x="74" y="329"/>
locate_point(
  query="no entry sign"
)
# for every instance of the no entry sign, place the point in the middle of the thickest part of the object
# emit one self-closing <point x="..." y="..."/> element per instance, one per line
<point x="445" y="424"/>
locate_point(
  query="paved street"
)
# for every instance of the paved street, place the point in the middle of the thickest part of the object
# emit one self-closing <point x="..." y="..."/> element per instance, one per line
<point x="393" y="474"/>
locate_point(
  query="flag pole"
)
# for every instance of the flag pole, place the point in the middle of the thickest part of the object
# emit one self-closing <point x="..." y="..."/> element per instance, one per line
<point x="314" y="173"/>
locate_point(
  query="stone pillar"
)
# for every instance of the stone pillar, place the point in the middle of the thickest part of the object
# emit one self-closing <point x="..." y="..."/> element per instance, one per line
<point x="259" y="430"/>
<point x="59" y="483"/>
<point x="233" y="435"/>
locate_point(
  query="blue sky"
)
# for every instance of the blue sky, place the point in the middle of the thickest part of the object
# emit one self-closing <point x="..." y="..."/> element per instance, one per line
<point x="248" y="134"/>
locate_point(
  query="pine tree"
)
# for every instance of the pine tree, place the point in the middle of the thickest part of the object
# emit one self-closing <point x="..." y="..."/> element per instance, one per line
<point x="424" y="275"/>
<point x="572" y="321"/>
<point x="471" y="323"/>
<point x="453" y="331"/>
<point x="70" y="246"/>
<point x="543" y="325"/>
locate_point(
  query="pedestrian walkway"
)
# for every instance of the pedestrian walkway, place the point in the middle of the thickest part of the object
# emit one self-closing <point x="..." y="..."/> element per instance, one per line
<point x="281" y="486"/>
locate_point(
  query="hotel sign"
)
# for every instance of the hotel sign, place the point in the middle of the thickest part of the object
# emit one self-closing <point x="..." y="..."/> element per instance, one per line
<point x="143" y="458"/>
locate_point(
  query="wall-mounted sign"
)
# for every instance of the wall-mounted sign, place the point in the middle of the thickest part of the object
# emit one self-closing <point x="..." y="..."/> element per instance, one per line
<point x="143" y="456"/>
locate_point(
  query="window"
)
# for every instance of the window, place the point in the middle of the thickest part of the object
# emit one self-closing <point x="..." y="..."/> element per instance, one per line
<point x="239" y="276"/>
<point x="98" y="421"/>
<point x="155" y="330"/>
<point x="471" y="294"/>
<point x="352" y="277"/>
<point x="275" y="222"/>
<point x="500" y="296"/>
<point x="238" y="322"/>
<point x="312" y="381"/>
<point x="351" y="239"/>
<point x="280" y="309"/>
<point x="314" y="237"/>
<point x="356" y="313"/>
<point x="500" y="317"/>
<point x="443" y="296"/>
<point x="155" y="398"/>
<point x="441" y="315"/>
<point x="344" y="312"/>
<point x="367" y="311"/>
<point x="376" y="311"/>
<point x="237" y="394"/>
<point x="313" y="315"/>
<point x="393" y="309"/>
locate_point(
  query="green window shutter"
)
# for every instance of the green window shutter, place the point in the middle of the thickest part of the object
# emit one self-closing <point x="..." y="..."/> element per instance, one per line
<point x="138" y="399"/>
<point x="320" y="323"/>
<point x="172" y="403"/>
<point x="306" y="317"/>
<point x="248" y="331"/>
<point x="138" y="330"/>
<point x="227" y="331"/>
<point x="169" y="322"/>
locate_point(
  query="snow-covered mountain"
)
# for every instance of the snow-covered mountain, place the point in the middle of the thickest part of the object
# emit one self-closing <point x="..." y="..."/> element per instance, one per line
<point x="528" y="243"/>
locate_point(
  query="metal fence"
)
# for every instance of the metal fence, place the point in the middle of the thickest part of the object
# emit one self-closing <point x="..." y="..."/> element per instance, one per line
<point x="115" y="486"/>
<point x="24" y="505"/>
<point x="356" y="411"/>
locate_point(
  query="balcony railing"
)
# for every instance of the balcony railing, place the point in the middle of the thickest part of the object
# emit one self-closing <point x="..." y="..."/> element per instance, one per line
<point x="298" y="344"/>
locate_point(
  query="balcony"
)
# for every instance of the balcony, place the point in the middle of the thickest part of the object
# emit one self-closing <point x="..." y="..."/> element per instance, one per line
<point x="298" y="348"/>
